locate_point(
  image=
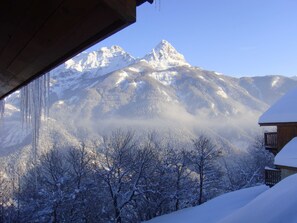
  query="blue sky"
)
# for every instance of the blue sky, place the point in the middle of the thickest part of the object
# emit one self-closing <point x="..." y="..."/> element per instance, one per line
<point x="235" y="37"/>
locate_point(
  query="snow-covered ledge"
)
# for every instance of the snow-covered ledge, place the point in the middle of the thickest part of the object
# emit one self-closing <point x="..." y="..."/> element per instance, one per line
<point x="288" y="155"/>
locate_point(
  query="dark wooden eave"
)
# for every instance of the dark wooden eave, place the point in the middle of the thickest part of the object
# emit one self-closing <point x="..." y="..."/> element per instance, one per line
<point x="279" y="123"/>
<point x="36" y="36"/>
<point x="286" y="167"/>
<point x="139" y="2"/>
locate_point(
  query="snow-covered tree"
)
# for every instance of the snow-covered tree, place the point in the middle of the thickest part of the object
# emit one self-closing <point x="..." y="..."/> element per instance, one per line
<point x="204" y="163"/>
<point x="5" y="197"/>
<point x="247" y="168"/>
<point x="125" y="180"/>
<point x="121" y="168"/>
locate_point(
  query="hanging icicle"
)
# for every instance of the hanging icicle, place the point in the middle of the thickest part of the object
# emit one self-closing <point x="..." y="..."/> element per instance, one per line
<point x="34" y="106"/>
<point x="158" y="4"/>
<point x="2" y="108"/>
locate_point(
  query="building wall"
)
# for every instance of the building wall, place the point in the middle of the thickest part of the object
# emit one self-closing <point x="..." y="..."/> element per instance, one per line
<point x="285" y="133"/>
<point x="287" y="172"/>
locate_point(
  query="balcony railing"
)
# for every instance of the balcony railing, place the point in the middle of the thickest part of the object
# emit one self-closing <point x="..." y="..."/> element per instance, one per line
<point x="270" y="140"/>
<point x="272" y="176"/>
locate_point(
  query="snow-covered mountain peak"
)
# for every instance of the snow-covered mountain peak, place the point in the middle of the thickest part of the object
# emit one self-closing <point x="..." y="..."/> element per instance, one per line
<point x="112" y="50"/>
<point x="89" y="65"/>
<point x="104" y="57"/>
<point x="165" y="46"/>
<point x="164" y="55"/>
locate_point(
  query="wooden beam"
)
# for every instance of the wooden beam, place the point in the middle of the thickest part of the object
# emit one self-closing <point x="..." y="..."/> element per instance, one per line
<point x="45" y="34"/>
<point x="278" y="123"/>
<point x="127" y="9"/>
<point x="33" y="17"/>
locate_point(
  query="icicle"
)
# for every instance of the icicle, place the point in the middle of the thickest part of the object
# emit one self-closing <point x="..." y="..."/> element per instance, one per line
<point x="2" y="108"/>
<point x="158" y="4"/>
<point x="34" y="106"/>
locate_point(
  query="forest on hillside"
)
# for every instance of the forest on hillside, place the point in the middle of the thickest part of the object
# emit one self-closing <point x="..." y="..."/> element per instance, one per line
<point x="125" y="179"/>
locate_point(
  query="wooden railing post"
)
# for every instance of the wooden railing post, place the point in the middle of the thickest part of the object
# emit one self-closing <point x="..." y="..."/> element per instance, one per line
<point x="270" y="141"/>
<point x="272" y="176"/>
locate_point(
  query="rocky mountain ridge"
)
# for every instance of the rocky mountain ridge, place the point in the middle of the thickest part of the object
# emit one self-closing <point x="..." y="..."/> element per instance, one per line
<point x="107" y="89"/>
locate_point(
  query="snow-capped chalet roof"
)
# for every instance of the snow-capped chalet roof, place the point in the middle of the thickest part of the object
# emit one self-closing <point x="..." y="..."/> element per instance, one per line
<point x="256" y="204"/>
<point x="288" y="155"/>
<point x="283" y="111"/>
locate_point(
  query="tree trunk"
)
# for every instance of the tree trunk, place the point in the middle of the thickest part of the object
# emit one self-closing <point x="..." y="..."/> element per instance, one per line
<point x="200" y="187"/>
<point x="117" y="211"/>
<point x="118" y="218"/>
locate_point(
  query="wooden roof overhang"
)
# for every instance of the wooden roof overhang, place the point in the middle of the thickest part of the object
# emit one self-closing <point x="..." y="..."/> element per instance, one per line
<point x="37" y="36"/>
<point x="286" y="167"/>
<point x="279" y="123"/>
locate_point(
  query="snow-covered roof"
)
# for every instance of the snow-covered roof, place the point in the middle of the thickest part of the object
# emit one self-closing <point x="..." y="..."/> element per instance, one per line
<point x="283" y="111"/>
<point x="256" y="204"/>
<point x="276" y="205"/>
<point x="214" y="210"/>
<point x="288" y="155"/>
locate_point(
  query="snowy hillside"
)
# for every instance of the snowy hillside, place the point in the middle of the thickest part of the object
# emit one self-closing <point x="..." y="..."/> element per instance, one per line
<point x="108" y="88"/>
<point x="257" y="204"/>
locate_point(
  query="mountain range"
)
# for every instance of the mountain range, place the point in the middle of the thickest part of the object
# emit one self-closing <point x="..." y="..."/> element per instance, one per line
<point x="98" y="91"/>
